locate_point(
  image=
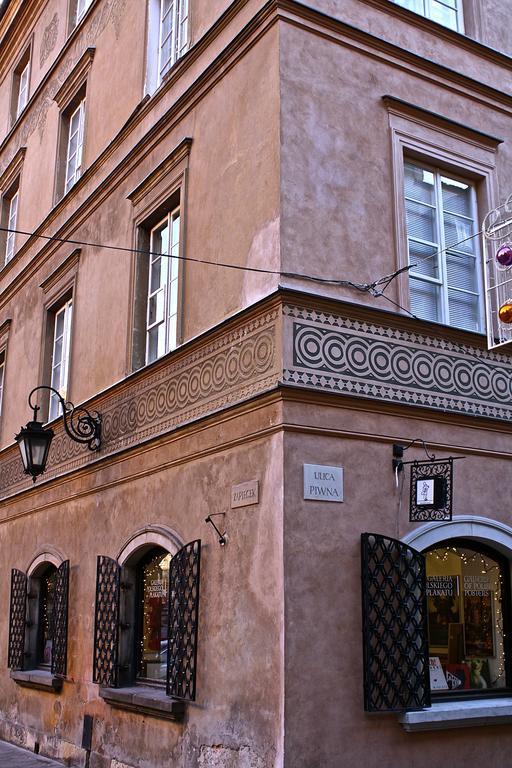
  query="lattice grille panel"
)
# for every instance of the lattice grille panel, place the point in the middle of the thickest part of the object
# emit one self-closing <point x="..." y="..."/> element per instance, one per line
<point x="183" y="622"/>
<point x="396" y="671"/>
<point x="106" y="626"/>
<point x="60" y="621"/>
<point x="17" y="619"/>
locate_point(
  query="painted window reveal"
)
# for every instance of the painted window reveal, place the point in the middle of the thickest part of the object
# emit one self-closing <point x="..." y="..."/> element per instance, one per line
<point x="466" y="621"/>
<point x="60" y="356"/>
<point x="445" y="12"/>
<point x="444" y="278"/>
<point x="75" y="146"/>
<point x="162" y="306"/>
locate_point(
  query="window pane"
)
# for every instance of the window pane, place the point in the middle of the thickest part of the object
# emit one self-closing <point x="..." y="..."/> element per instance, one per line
<point x="421" y="221"/>
<point x="464" y="310"/>
<point x="443" y="15"/>
<point x="156" y="343"/>
<point x="422" y="257"/>
<point x="154" y="596"/>
<point x="461" y="272"/>
<point x="456" y="196"/>
<point x="419" y="184"/>
<point x="465" y="618"/>
<point x="156" y="308"/>
<point x="412" y="5"/>
<point x="425" y="299"/>
<point x="457" y="232"/>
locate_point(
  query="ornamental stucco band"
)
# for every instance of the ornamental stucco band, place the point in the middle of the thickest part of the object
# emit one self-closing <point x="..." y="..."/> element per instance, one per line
<point x="339" y="354"/>
<point x="233" y="367"/>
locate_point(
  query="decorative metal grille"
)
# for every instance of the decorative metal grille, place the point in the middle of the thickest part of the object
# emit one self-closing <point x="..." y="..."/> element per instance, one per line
<point x="395" y="640"/>
<point x="183" y="622"/>
<point x="60" y="621"/>
<point x="441" y="473"/>
<point x="17" y="619"/>
<point x="106" y="625"/>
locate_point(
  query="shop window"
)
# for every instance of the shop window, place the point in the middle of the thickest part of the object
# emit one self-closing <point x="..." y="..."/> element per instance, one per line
<point x="435" y="624"/>
<point x="38" y="619"/>
<point x="20" y="86"/>
<point x="445" y="12"/>
<point x="444" y="277"/>
<point x="167" y="38"/>
<point x="147" y="619"/>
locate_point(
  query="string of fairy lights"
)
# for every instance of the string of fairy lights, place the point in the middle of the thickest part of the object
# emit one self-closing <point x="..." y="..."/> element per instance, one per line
<point x="486" y="567"/>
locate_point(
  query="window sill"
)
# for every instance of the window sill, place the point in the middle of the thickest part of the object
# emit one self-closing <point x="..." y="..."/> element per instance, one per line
<point x="40" y="679"/>
<point x="458" y="714"/>
<point x="145" y="700"/>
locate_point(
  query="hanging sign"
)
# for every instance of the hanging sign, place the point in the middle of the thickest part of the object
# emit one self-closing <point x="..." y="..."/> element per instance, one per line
<point x="431" y="490"/>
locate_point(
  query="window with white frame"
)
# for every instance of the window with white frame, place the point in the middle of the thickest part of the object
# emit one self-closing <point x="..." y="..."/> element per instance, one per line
<point x="167" y="38"/>
<point x="163" y="285"/>
<point x="12" y="215"/>
<point x="444" y="276"/>
<point x="445" y="12"/>
<point x="20" y="86"/>
<point x="2" y="376"/>
<point x="61" y="347"/>
<point x="75" y="141"/>
<point x="81" y="7"/>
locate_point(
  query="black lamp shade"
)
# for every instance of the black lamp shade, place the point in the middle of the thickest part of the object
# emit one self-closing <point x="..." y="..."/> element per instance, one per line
<point x="34" y="444"/>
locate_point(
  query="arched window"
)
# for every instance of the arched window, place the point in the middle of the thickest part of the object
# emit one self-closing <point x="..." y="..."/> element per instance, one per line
<point x="147" y="616"/>
<point x="468" y="608"/>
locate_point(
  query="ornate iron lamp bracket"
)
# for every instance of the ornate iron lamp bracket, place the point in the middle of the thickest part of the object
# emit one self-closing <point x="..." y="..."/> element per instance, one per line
<point x="80" y="425"/>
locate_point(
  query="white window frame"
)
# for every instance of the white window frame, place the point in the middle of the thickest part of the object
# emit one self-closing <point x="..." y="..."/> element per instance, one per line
<point x="2" y="378"/>
<point x="23" y="89"/>
<point x="11" y="226"/>
<point x="428" y="12"/>
<point x="81" y="8"/>
<point x="169" y="290"/>
<point x="73" y="169"/>
<point x="60" y="369"/>
<point x="442" y="246"/>
<point x="176" y="32"/>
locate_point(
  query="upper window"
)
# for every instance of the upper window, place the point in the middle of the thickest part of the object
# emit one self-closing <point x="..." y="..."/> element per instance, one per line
<point x="60" y="355"/>
<point x="163" y="284"/>
<point x="167" y="38"/>
<point x="445" y="12"/>
<point x="20" y="86"/>
<point x="74" y="128"/>
<point x="444" y="278"/>
<point x="9" y="219"/>
<point x="78" y="9"/>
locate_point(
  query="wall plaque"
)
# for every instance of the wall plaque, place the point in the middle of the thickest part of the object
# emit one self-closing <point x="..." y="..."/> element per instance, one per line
<point x="245" y="494"/>
<point x="323" y="483"/>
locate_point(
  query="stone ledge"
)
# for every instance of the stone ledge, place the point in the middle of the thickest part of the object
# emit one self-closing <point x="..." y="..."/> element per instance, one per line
<point x="41" y="679"/>
<point x="458" y="714"/>
<point x="145" y="700"/>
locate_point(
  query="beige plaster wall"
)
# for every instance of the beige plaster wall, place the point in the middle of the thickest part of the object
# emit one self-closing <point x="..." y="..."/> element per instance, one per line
<point x="240" y="679"/>
<point x="325" y="722"/>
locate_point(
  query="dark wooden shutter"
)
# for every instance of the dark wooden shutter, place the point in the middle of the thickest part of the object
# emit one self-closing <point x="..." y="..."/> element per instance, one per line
<point x="183" y="622"/>
<point x="60" y="621"/>
<point x="106" y="623"/>
<point x="17" y="619"/>
<point x="395" y="640"/>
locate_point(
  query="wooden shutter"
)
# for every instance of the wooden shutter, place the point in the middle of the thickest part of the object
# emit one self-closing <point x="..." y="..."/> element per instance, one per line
<point x="106" y="624"/>
<point x="17" y="619"/>
<point x="183" y="622"/>
<point x="60" y="621"/>
<point x="395" y="640"/>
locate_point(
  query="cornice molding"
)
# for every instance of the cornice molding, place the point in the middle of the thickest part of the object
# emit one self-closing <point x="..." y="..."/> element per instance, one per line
<point x="76" y="78"/>
<point x="66" y="270"/>
<point x="166" y="167"/>
<point x="12" y="170"/>
<point x="429" y="118"/>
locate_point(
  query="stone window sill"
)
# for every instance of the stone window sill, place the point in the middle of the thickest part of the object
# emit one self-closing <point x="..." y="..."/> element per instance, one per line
<point x="145" y="700"/>
<point x="458" y="714"/>
<point x="41" y="679"/>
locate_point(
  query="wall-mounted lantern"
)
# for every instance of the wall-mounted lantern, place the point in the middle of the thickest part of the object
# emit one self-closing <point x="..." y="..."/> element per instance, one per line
<point x="34" y="440"/>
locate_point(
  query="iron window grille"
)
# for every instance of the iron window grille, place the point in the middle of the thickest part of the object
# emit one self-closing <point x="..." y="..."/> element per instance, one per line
<point x="24" y="618"/>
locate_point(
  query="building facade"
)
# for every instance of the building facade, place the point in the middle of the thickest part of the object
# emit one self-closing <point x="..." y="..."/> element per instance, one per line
<point x="248" y="235"/>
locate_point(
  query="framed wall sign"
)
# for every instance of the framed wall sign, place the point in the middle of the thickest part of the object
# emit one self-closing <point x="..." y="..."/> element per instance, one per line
<point x="431" y="490"/>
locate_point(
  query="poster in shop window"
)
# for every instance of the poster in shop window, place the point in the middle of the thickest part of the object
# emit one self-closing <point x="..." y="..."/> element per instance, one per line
<point x="443" y="607"/>
<point x="478" y="617"/>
